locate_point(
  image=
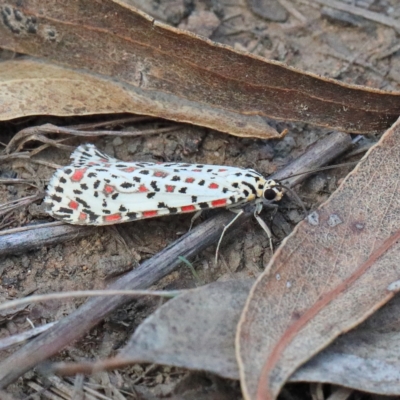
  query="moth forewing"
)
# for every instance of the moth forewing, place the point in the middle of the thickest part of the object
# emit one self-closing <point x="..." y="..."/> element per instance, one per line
<point x="97" y="189"/>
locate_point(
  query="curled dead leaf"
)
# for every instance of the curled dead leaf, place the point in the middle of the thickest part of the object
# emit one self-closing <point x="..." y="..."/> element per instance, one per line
<point x="208" y="84"/>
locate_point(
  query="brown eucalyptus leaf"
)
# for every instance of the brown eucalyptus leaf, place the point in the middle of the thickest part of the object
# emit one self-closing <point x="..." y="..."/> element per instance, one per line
<point x="367" y="358"/>
<point x="330" y="274"/>
<point x="32" y="87"/>
<point x="177" y="75"/>
<point x="195" y="330"/>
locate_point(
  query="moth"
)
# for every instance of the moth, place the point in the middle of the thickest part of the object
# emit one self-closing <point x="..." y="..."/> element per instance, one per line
<point x="96" y="189"/>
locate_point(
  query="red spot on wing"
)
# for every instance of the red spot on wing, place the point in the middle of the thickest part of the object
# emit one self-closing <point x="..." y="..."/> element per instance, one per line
<point x="218" y="203"/>
<point x="196" y="170"/>
<point x="170" y="188"/>
<point x="213" y="186"/>
<point x="73" y="204"/>
<point x="148" y="214"/>
<point x="112" y="218"/>
<point x="189" y="180"/>
<point x="108" y="189"/>
<point x="78" y="174"/>
<point x="160" y="174"/>
<point x="143" y="189"/>
<point x="188" y="208"/>
<point x="82" y="216"/>
<point x="222" y="170"/>
<point x="107" y="165"/>
<point x="129" y="169"/>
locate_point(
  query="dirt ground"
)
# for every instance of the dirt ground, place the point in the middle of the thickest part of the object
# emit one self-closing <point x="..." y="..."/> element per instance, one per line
<point x="305" y="35"/>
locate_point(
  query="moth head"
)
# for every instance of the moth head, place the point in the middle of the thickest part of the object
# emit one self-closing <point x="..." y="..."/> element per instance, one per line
<point x="272" y="191"/>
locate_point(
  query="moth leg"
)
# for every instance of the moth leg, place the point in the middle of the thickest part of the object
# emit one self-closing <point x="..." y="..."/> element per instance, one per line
<point x="259" y="207"/>
<point x="266" y="230"/>
<point x="195" y="216"/>
<point x="226" y="227"/>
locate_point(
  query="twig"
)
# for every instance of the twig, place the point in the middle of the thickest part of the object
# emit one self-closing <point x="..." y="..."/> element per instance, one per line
<point x="373" y="16"/>
<point x="37" y="132"/>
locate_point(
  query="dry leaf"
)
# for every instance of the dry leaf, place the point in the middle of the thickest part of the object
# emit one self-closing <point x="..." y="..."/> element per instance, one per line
<point x="196" y="331"/>
<point x="193" y="330"/>
<point x="208" y="84"/>
<point x="367" y="358"/>
<point x="336" y="269"/>
<point x="30" y="87"/>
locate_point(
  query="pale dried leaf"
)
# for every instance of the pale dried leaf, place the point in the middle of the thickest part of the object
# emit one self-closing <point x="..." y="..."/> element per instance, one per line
<point x="334" y="271"/>
<point x="195" y="330"/>
<point x="33" y="87"/>
<point x="367" y="358"/>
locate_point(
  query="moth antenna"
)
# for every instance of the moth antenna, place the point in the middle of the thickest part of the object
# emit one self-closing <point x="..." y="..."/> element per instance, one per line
<point x="321" y="169"/>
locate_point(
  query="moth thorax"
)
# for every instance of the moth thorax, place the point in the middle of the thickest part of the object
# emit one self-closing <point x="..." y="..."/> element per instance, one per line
<point x="272" y="191"/>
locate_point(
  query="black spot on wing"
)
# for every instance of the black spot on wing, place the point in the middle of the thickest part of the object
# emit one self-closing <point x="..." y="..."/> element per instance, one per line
<point x="92" y="175"/>
<point x="96" y="184"/>
<point x="250" y="186"/>
<point x="56" y="198"/>
<point x="101" y="155"/>
<point x="114" y="196"/>
<point x="203" y="205"/>
<point x="150" y="195"/>
<point x="172" y="210"/>
<point x="176" y="178"/>
<point x="126" y="185"/>
<point x="202" y="182"/>
<point x="161" y="204"/>
<point x="59" y="189"/>
<point x="92" y="215"/>
<point x="153" y="184"/>
<point x="84" y="186"/>
<point x="63" y="180"/>
<point x="83" y="202"/>
<point x="182" y="190"/>
<point x="194" y="199"/>
<point x="122" y="208"/>
<point x="65" y="210"/>
<point x="136" y="179"/>
<point x="131" y="215"/>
